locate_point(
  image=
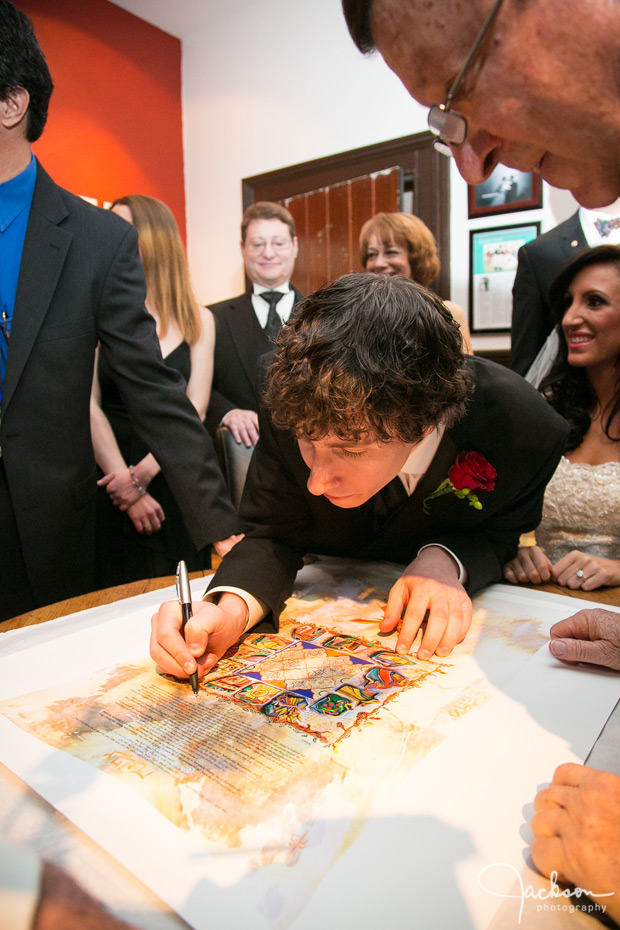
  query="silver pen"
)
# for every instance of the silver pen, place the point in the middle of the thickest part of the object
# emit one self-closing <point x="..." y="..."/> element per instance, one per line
<point x="184" y="597"/>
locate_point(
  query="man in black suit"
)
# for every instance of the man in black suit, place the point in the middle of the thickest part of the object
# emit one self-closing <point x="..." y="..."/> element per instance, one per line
<point x="70" y="278"/>
<point x="540" y="261"/>
<point x="383" y="442"/>
<point x="245" y="325"/>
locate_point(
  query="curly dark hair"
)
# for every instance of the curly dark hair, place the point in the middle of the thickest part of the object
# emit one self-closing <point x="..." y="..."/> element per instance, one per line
<point x="23" y="64"/>
<point x="368" y="356"/>
<point x="568" y="388"/>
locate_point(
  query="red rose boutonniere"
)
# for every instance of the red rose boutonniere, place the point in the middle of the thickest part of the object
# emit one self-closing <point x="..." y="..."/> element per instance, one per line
<point x="470" y="472"/>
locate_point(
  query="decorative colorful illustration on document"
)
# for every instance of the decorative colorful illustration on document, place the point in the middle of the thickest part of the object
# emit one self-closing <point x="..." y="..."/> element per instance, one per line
<point x="316" y="680"/>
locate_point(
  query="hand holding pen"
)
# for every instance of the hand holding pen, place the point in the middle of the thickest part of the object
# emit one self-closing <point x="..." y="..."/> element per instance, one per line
<point x="213" y="630"/>
<point x="184" y="597"/>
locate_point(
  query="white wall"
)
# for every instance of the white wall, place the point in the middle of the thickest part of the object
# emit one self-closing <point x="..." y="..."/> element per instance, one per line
<point x="278" y="83"/>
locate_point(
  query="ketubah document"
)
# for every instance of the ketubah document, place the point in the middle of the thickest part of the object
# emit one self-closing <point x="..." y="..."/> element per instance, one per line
<point x="317" y="771"/>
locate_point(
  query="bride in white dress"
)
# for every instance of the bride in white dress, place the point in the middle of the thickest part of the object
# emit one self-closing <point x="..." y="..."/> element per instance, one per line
<point x="578" y="540"/>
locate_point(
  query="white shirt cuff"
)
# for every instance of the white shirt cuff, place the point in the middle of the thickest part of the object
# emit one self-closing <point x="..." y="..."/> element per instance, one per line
<point x="256" y="609"/>
<point x="20" y="879"/>
<point x="461" y="567"/>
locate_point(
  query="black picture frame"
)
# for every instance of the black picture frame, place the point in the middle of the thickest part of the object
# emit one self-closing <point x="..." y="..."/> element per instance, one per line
<point x="506" y="190"/>
<point x="492" y="267"/>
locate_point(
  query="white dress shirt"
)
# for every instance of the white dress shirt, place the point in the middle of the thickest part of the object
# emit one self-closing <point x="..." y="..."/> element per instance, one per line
<point x="284" y="306"/>
<point x="587" y="219"/>
<point x="419" y="460"/>
<point x="414" y="470"/>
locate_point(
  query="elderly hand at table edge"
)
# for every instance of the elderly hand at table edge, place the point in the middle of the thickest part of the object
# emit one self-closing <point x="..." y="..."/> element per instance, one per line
<point x="576" y="824"/>
<point x="591" y="635"/>
<point x="576" y="827"/>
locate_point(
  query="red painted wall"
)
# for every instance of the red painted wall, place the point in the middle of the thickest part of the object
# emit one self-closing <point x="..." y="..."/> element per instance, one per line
<point x="115" y="119"/>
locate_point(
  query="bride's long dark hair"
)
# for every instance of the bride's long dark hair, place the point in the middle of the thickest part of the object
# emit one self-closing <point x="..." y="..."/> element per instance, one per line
<point x="568" y="388"/>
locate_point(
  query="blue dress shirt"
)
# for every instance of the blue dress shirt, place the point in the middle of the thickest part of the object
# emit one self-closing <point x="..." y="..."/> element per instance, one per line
<point x="15" y="202"/>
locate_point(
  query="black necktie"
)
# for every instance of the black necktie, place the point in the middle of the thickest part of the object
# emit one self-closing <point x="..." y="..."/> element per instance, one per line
<point x="274" y="322"/>
<point x="387" y="500"/>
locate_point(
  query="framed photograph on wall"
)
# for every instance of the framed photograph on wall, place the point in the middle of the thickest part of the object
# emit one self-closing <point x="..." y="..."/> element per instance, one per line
<point x="492" y="268"/>
<point x="505" y="191"/>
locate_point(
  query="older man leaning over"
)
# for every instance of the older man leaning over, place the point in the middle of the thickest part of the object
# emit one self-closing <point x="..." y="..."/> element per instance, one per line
<point x="532" y="85"/>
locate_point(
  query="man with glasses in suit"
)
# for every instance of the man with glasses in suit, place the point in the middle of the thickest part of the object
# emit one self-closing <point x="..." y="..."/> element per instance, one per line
<point x="245" y="325"/>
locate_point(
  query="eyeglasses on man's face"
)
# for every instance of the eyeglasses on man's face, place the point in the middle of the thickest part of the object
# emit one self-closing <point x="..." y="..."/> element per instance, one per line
<point x="449" y="125"/>
<point x="281" y="246"/>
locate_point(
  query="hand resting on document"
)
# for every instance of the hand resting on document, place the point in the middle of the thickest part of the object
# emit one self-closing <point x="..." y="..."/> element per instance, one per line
<point x="429" y="583"/>
<point x="208" y="634"/>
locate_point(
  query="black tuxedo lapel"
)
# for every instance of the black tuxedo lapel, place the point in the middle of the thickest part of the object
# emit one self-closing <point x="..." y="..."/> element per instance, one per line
<point x="437" y="472"/>
<point x="44" y="254"/>
<point x="573" y="232"/>
<point x="247" y="336"/>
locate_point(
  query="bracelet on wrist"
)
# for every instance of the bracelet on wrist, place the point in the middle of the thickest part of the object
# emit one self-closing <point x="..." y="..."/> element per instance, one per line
<point x="136" y="481"/>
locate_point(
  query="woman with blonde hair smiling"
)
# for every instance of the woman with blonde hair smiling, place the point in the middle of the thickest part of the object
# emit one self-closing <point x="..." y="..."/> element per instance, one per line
<point x="140" y="531"/>
<point x="402" y="244"/>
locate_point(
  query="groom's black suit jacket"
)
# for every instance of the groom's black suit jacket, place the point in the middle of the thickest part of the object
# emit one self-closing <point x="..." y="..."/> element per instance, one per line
<point x="506" y="421"/>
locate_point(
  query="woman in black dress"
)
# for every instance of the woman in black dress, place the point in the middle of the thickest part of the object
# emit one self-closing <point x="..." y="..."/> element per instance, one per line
<point x="140" y="531"/>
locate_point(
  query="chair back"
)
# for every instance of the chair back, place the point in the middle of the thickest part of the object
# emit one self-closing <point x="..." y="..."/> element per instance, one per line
<point x="234" y="461"/>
